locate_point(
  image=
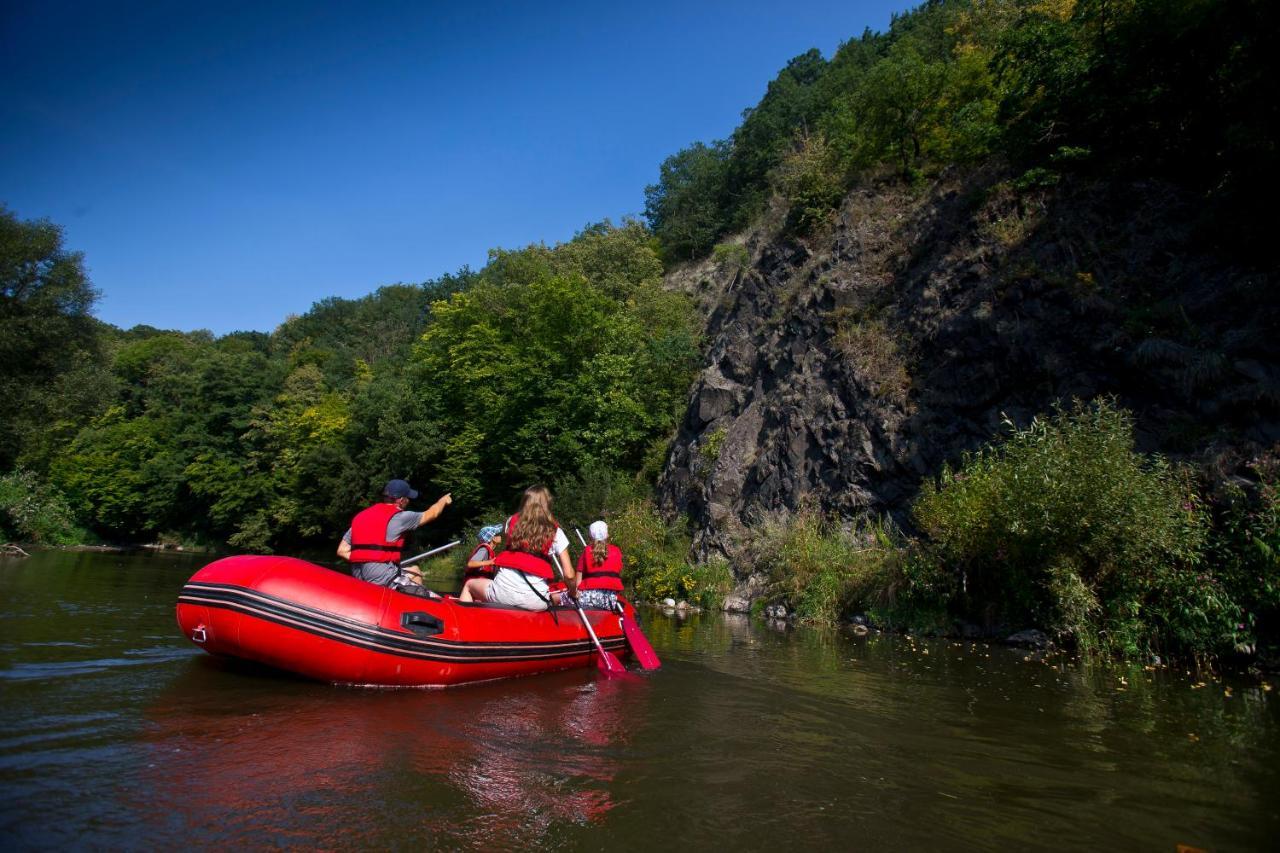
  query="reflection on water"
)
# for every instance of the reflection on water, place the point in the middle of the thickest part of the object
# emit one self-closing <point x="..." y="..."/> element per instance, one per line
<point x="508" y="761"/>
<point x="120" y="734"/>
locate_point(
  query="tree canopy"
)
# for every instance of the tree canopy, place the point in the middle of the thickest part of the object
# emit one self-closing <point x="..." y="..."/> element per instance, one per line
<point x="551" y="359"/>
<point x="1179" y="89"/>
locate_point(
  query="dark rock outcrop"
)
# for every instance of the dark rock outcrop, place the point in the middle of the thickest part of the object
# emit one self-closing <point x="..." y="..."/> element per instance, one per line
<point x="846" y="369"/>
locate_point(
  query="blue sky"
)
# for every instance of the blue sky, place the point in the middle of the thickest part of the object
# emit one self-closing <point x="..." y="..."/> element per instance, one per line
<point x="224" y="165"/>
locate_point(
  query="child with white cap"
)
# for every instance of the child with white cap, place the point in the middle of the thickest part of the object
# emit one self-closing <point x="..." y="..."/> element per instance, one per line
<point x="600" y="568"/>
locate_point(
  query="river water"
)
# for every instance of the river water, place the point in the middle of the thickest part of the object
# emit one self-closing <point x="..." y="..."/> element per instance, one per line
<point x="119" y="733"/>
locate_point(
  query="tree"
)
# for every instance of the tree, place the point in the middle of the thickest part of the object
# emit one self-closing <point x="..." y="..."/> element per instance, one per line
<point x="684" y="208"/>
<point x="47" y="331"/>
<point x="558" y="358"/>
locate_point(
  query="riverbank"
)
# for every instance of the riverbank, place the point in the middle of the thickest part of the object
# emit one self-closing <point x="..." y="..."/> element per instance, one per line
<point x="1062" y="527"/>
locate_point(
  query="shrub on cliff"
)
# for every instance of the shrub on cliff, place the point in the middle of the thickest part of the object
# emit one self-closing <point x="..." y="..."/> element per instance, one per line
<point x="1066" y="526"/>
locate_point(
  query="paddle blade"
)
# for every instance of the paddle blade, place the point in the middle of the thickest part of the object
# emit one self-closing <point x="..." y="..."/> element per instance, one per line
<point x="640" y="646"/>
<point x="608" y="663"/>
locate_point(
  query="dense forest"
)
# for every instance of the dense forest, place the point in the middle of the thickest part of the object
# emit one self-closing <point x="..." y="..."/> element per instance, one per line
<point x="571" y="364"/>
<point x="547" y="363"/>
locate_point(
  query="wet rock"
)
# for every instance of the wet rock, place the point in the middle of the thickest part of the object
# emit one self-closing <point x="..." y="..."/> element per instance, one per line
<point x="669" y="602"/>
<point x="1029" y="639"/>
<point x="736" y="604"/>
<point x="775" y="611"/>
<point x="859" y="630"/>
<point x="682" y="605"/>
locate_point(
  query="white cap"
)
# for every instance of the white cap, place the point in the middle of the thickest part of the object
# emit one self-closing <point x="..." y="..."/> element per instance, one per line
<point x="598" y="531"/>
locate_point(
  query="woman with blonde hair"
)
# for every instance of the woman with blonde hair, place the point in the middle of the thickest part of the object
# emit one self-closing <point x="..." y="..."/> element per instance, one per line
<point x="527" y="567"/>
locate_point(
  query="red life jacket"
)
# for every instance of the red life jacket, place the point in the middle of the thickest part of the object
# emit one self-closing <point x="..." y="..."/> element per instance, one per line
<point x="607" y="575"/>
<point x="369" y="543"/>
<point x="526" y="557"/>
<point x="483" y="571"/>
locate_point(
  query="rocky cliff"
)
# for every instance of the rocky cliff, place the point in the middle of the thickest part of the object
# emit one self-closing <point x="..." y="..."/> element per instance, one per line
<point x="844" y="368"/>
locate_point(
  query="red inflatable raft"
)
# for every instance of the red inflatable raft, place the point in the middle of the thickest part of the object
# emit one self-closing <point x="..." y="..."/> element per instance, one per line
<point x="325" y="625"/>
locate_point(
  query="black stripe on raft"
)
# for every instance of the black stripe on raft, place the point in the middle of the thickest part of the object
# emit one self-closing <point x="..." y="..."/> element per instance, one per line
<point x="363" y="635"/>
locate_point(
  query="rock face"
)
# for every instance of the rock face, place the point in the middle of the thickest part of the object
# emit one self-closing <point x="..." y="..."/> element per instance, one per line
<point x="844" y="370"/>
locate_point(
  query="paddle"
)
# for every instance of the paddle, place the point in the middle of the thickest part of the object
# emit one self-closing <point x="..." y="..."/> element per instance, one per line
<point x="416" y="577"/>
<point x="608" y="662"/>
<point x="425" y="554"/>
<point x="639" y="643"/>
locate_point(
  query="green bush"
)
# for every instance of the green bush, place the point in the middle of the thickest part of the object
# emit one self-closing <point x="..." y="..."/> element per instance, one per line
<point x="655" y="558"/>
<point x="819" y="569"/>
<point x="811" y="183"/>
<point x="1066" y="526"/>
<point x="37" y="512"/>
<point x="731" y="256"/>
<point x="596" y="491"/>
<point x="1246" y="548"/>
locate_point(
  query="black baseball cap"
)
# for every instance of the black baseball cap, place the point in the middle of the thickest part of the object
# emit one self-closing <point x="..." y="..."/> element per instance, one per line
<point x="399" y="489"/>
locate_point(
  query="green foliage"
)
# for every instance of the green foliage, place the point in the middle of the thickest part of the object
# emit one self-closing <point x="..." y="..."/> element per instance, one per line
<point x="557" y="359"/>
<point x="820" y="569"/>
<point x="1179" y="88"/>
<point x="655" y="558"/>
<point x="684" y="208"/>
<point x="297" y="461"/>
<point x="552" y="364"/>
<point x="34" y="511"/>
<point x="50" y="345"/>
<point x="731" y="256"/>
<point x="711" y="444"/>
<point x="1066" y="526"/>
<point x="123" y="473"/>
<point x="1246" y="550"/>
<point x="596" y="492"/>
<point x="811" y="183"/>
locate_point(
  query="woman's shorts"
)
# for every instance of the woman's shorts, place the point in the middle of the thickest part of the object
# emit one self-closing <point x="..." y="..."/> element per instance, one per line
<point x="511" y="588"/>
<point x="597" y="599"/>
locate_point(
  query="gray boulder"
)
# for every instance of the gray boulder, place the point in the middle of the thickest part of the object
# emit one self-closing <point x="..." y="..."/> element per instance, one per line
<point x="1029" y="639"/>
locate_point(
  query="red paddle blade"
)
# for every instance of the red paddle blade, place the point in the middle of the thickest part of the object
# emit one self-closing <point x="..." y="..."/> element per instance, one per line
<point x="608" y="663"/>
<point x="640" y="646"/>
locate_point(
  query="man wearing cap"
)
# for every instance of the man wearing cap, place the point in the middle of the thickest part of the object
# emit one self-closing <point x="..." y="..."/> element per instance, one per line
<point x="374" y="541"/>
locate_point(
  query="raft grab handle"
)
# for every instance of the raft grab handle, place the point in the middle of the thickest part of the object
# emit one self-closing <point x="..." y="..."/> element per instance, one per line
<point x="422" y="624"/>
